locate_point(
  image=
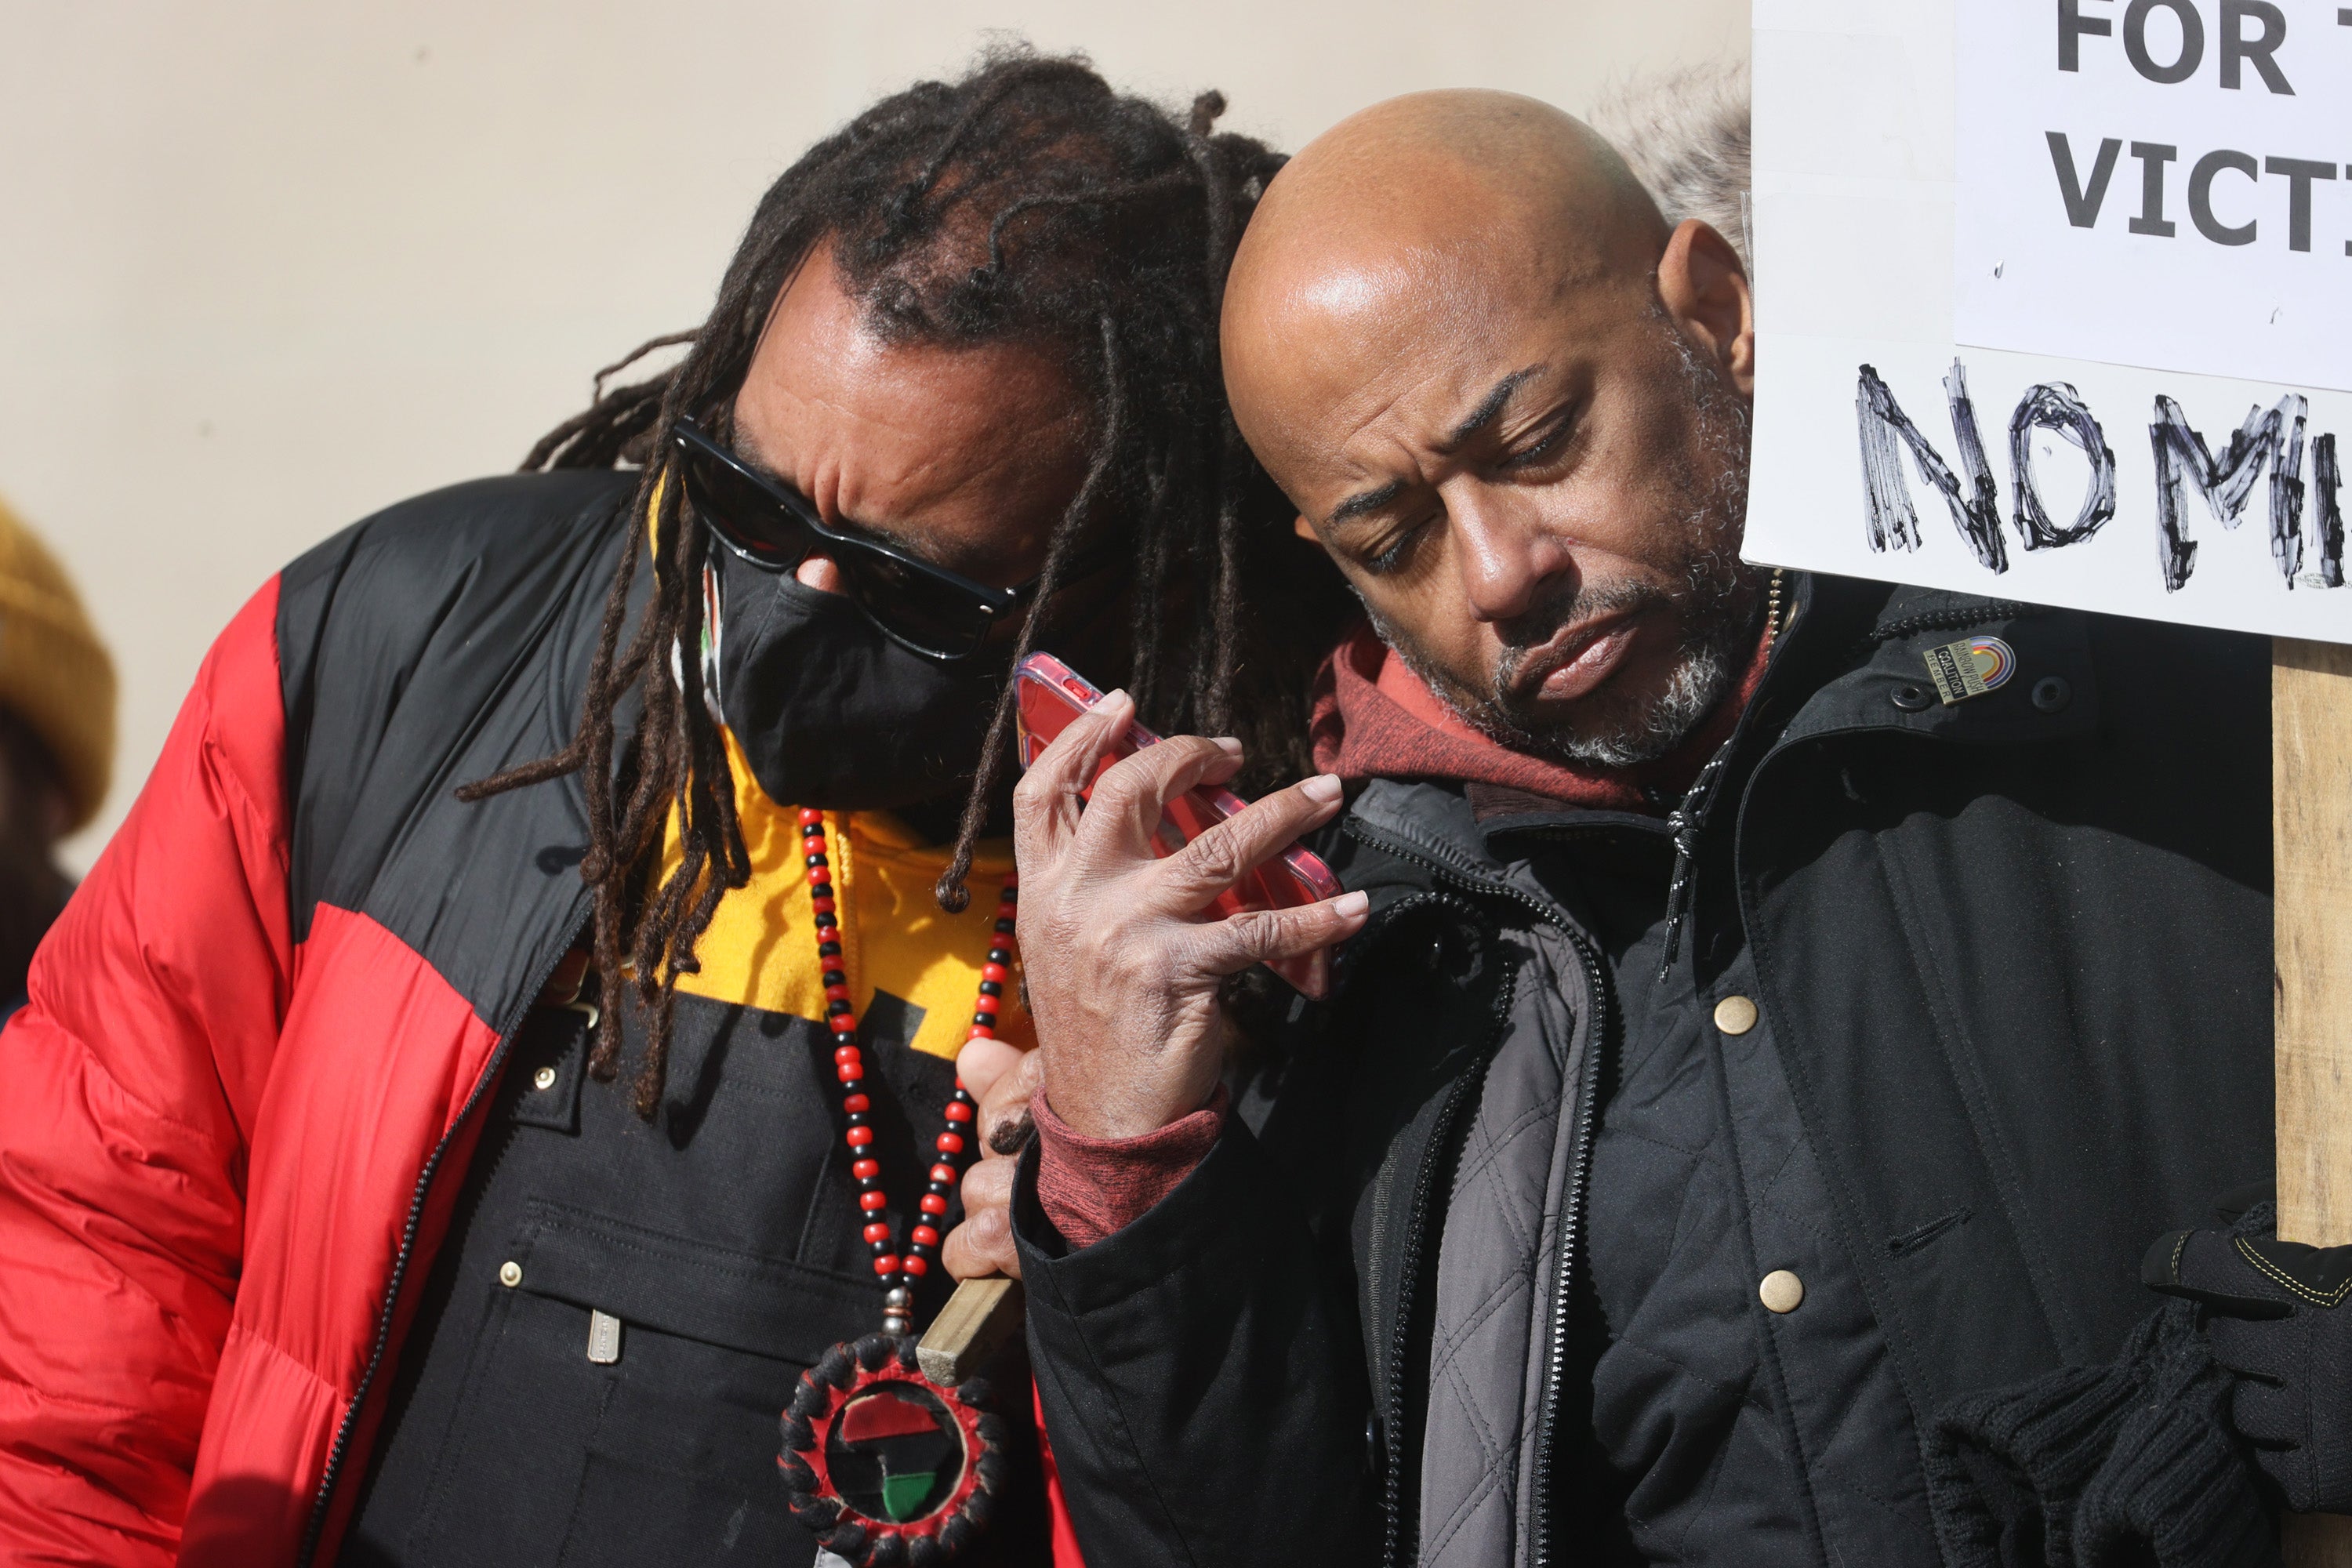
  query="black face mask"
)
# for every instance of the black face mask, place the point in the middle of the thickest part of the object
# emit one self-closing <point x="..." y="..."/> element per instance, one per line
<point x="832" y="713"/>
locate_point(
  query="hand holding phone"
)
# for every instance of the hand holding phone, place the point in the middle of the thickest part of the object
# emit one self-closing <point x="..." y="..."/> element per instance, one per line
<point x="1144" y="885"/>
<point x="1052" y="694"/>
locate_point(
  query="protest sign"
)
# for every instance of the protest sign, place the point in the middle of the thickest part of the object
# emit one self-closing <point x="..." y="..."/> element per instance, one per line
<point x="2055" y="304"/>
<point x="2149" y="183"/>
<point x="2055" y="301"/>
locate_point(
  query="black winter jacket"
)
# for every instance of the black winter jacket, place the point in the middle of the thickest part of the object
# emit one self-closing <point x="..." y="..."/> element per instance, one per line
<point x="2014" y="955"/>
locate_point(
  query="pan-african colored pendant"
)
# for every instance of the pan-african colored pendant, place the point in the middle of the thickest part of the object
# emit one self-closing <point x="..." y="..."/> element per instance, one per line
<point x="888" y="1468"/>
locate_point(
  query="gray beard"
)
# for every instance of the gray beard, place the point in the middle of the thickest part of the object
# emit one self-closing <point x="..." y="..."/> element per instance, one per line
<point x="1719" y="623"/>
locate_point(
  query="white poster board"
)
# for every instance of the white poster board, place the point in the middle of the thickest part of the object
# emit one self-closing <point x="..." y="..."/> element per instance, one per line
<point x="2055" y="301"/>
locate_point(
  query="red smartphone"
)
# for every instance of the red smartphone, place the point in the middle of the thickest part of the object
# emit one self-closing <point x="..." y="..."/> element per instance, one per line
<point x="1052" y="694"/>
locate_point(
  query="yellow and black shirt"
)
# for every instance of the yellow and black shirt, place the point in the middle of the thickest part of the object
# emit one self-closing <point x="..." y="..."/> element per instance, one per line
<point x="907" y="958"/>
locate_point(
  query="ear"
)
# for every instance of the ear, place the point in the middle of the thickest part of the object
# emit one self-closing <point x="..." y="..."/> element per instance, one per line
<point x="1705" y="290"/>
<point x="1305" y="531"/>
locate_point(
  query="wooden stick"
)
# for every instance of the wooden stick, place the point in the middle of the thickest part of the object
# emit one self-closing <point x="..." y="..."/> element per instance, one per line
<point x="2311" y="854"/>
<point x="977" y="1322"/>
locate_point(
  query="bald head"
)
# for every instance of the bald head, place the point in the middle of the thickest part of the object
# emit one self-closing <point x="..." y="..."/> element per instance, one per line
<point x="1509" y="398"/>
<point x="1436" y="198"/>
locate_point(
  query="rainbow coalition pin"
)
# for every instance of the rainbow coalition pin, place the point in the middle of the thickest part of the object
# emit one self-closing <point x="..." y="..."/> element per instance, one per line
<point x="1970" y="668"/>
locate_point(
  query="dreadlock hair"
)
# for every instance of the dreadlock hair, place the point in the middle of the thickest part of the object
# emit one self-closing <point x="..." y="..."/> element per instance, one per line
<point x="1026" y="203"/>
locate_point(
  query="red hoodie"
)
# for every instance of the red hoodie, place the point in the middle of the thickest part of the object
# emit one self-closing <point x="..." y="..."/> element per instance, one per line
<point x="1373" y="718"/>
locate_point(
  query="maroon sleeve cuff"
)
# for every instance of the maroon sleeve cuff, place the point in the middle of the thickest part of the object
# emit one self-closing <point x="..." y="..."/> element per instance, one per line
<point x="1090" y="1188"/>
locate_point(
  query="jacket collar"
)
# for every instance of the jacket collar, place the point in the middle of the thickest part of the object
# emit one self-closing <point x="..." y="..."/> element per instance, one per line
<point x="1850" y="672"/>
<point x="1853" y="658"/>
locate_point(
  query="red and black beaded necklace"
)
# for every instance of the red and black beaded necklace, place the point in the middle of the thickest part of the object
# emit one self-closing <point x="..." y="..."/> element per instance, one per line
<point x="875" y="1451"/>
<point x="895" y="1270"/>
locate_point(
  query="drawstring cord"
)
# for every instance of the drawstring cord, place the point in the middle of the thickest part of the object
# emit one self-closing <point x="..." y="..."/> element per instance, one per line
<point x="1681" y="825"/>
<point x="1683" y="822"/>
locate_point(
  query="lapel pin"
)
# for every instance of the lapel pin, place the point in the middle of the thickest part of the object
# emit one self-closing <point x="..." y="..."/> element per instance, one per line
<point x="1970" y="668"/>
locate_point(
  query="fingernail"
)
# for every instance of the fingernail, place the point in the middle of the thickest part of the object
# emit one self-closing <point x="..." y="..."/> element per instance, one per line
<point x="1228" y="745"/>
<point x="1348" y="906"/>
<point x="1115" y="694"/>
<point x="1322" y="789"/>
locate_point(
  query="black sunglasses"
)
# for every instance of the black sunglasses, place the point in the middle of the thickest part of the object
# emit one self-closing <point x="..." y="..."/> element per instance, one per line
<point x="923" y="608"/>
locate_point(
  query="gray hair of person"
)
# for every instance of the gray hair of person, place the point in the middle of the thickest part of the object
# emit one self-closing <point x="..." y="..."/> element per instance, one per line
<point x="1685" y="134"/>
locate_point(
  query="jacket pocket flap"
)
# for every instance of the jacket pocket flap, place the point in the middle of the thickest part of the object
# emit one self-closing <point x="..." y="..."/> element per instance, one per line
<point x="676" y="1285"/>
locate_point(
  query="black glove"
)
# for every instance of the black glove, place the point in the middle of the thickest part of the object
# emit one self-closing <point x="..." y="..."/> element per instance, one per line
<point x="2274" y="1313"/>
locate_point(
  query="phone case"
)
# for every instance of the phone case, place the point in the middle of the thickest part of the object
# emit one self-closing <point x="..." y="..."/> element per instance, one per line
<point x="1051" y="694"/>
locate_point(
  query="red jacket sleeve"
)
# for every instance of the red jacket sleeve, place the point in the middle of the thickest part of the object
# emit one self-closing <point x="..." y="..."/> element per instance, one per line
<point x="128" y="1085"/>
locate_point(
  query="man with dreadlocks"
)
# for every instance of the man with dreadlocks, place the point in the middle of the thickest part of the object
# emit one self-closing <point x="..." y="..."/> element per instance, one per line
<point x="512" y="1036"/>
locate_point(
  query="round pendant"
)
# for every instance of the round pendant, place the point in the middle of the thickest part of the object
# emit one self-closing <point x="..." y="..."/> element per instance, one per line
<point x="888" y="1468"/>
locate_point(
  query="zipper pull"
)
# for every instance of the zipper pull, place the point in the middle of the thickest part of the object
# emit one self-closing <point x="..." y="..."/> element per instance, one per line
<point x="1683" y="825"/>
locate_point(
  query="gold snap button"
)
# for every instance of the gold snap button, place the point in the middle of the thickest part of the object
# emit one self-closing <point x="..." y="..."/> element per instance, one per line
<point x="1780" y="1291"/>
<point x="511" y="1274"/>
<point x="1735" y="1014"/>
<point x="543" y="1078"/>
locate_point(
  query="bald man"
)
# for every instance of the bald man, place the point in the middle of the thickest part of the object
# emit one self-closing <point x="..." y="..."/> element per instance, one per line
<point x="1760" y="1057"/>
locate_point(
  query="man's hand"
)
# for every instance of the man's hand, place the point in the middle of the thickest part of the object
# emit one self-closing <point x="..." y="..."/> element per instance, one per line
<point x="2275" y="1316"/>
<point x="1002" y="1077"/>
<point x="1122" y="973"/>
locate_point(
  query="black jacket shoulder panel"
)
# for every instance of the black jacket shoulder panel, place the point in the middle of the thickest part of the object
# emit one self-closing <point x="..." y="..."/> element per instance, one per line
<point x="433" y="644"/>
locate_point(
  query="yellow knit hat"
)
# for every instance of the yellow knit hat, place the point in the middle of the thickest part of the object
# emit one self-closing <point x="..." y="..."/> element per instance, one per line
<point x="55" y="674"/>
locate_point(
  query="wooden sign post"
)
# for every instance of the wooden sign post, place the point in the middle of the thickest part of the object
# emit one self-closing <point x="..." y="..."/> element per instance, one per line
<point x="2311" y="852"/>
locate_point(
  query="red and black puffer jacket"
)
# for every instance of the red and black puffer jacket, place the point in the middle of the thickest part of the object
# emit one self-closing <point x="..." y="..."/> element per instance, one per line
<point x="234" y="1115"/>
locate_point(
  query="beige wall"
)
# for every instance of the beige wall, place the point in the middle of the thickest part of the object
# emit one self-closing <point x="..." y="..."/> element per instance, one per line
<point x="266" y="266"/>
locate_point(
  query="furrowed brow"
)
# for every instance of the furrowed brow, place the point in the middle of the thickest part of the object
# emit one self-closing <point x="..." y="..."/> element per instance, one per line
<point x="873" y="533"/>
<point x="1357" y="505"/>
<point x="1490" y="410"/>
<point x="1497" y="399"/>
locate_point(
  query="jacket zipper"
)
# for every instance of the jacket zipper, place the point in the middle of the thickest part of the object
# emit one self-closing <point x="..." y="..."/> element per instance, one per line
<point x="316" y="1528"/>
<point x="1539" y="1489"/>
<point x="1571" y="1221"/>
<point x="1393" y="1468"/>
